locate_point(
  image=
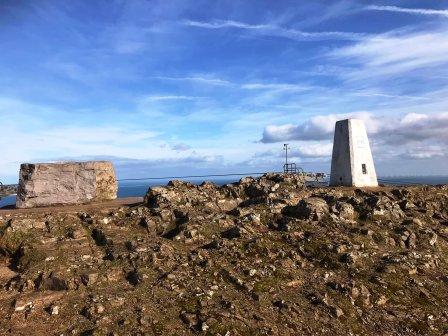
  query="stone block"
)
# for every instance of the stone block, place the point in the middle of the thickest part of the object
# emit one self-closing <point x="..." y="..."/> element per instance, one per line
<point x="46" y="184"/>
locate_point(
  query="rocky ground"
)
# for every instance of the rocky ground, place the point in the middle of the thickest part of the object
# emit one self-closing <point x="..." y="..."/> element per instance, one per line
<point x="259" y="257"/>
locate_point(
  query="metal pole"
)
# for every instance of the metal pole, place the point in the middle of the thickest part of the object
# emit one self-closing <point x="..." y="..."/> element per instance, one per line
<point x="285" y="147"/>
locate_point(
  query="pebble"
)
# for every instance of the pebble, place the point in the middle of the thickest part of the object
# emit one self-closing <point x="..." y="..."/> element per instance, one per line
<point x="54" y="310"/>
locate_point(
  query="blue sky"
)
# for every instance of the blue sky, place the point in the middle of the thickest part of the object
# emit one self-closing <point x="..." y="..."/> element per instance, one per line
<point x="188" y="87"/>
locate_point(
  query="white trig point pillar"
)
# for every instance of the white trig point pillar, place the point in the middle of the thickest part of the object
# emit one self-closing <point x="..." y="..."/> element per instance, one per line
<point x="352" y="162"/>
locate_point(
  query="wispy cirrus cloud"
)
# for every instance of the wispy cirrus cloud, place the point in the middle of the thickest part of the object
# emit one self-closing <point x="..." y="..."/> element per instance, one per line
<point x="276" y="86"/>
<point x="275" y="30"/>
<point x="417" y="11"/>
<point x="372" y="93"/>
<point x="392" y="54"/>
<point x="214" y="81"/>
<point x="207" y="80"/>
<point x="170" y="97"/>
<point x="218" y="24"/>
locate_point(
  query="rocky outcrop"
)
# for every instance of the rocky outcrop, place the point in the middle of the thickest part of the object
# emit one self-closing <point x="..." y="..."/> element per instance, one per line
<point x="248" y="190"/>
<point x="262" y="256"/>
<point x="45" y="184"/>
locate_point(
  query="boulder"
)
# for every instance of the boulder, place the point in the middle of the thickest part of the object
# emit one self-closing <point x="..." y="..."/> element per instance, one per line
<point x="313" y="208"/>
<point x="46" y="184"/>
<point x="345" y="210"/>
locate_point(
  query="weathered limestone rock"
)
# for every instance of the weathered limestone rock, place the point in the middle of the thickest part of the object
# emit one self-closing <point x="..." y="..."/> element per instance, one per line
<point x="313" y="208"/>
<point x="44" y="184"/>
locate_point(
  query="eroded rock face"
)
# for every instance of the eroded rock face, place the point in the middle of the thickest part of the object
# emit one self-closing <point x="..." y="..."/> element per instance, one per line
<point x="45" y="184"/>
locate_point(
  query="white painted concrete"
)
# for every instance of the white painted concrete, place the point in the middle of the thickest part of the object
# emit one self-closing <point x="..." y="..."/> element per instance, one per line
<point x="352" y="162"/>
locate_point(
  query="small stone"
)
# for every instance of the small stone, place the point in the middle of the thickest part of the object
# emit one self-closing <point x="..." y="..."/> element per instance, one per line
<point x="89" y="278"/>
<point x="417" y="222"/>
<point x="99" y="308"/>
<point x="281" y="304"/>
<point x="348" y="258"/>
<point x="411" y="241"/>
<point x="191" y="233"/>
<point x="54" y="310"/>
<point x="76" y="234"/>
<point x="367" y="232"/>
<point x="134" y="277"/>
<point x="354" y="292"/>
<point x="382" y="300"/>
<point x="433" y="239"/>
<point x="336" y="311"/>
<point x="188" y="318"/>
<point x="412" y="271"/>
<point x="204" y="326"/>
<point x="233" y="232"/>
<point x="346" y="211"/>
<point x="24" y="306"/>
<point x="341" y="248"/>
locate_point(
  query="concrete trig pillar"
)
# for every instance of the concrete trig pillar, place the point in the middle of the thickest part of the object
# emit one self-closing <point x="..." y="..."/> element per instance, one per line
<point x="352" y="162"/>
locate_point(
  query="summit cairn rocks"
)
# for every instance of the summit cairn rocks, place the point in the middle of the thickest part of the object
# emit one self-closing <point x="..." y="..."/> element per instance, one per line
<point x="45" y="184"/>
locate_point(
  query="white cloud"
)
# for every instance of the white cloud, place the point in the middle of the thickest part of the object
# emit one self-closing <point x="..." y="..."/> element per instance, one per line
<point x="413" y="117"/>
<point x="375" y="94"/>
<point x="214" y="81"/>
<point x="274" y="30"/>
<point x="303" y="150"/>
<point x="319" y="127"/>
<point x="410" y="127"/>
<point x="170" y="97"/>
<point x="394" y="54"/>
<point x="206" y="80"/>
<point x="276" y="87"/>
<point x="411" y="136"/>
<point x="313" y="150"/>
<point x="428" y="152"/>
<point x="418" y="11"/>
<point x="416" y="128"/>
<point x="180" y="147"/>
<point x="218" y="24"/>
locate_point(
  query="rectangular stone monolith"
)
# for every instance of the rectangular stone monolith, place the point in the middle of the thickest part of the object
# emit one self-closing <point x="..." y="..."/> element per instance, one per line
<point x="352" y="161"/>
<point x="46" y="184"/>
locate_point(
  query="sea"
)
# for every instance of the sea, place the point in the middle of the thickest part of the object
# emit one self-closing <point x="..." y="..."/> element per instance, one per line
<point x="139" y="188"/>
